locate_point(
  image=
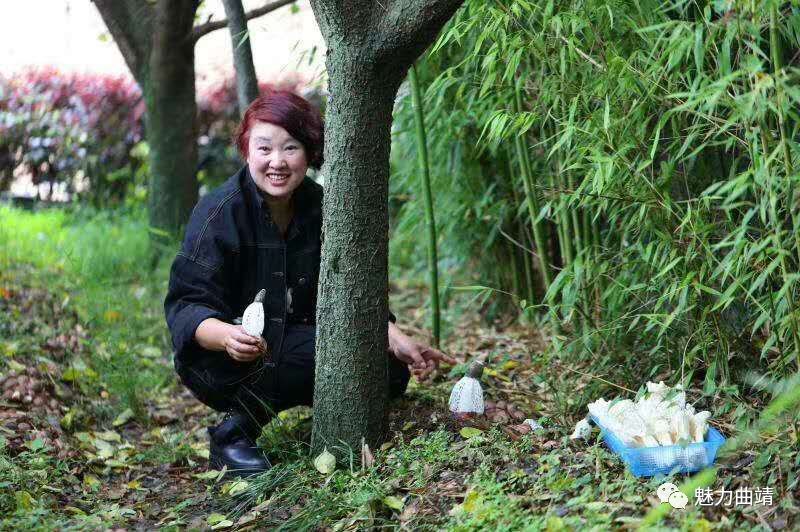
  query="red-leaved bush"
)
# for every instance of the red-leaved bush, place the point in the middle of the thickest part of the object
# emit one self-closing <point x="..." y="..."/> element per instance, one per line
<point x="58" y="125"/>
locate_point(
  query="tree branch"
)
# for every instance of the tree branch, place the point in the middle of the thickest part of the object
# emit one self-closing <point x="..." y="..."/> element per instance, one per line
<point x="346" y="18"/>
<point x="246" y="80"/>
<point x="208" y="27"/>
<point x="407" y="27"/>
<point x="130" y="23"/>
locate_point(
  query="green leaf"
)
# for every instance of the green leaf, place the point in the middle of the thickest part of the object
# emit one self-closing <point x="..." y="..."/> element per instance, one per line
<point x="15" y="366"/>
<point x="710" y="385"/>
<point x="472" y="502"/>
<point x="35" y="445"/>
<point x="109" y="435"/>
<point x="235" y="488"/>
<point x="215" y="519"/>
<point x="91" y="482"/>
<point x="124" y="416"/>
<point x="395" y="503"/>
<point x="325" y="462"/>
<point x="25" y="501"/>
<point x="69" y="419"/>
<point x="470" y="432"/>
<point x="208" y="475"/>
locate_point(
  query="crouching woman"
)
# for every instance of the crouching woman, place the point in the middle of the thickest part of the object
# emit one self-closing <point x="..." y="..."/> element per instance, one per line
<point x="261" y="229"/>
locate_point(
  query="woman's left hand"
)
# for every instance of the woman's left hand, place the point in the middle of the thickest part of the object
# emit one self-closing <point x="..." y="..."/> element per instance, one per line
<point x="421" y="359"/>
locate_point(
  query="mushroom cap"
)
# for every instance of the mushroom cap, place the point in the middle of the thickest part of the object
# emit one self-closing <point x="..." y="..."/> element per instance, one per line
<point x="476" y="369"/>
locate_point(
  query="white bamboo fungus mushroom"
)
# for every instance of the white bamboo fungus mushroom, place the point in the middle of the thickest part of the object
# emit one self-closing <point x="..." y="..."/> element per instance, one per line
<point x="699" y="425"/>
<point x="467" y="394"/>
<point x="660" y="418"/>
<point x="253" y="317"/>
<point x="582" y="430"/>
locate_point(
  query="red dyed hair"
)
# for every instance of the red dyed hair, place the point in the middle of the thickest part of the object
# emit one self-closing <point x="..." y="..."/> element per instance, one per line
<point x="291" y="112"/>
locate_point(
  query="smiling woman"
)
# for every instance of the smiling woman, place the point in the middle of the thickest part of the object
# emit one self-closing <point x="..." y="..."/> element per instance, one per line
<point x="277" y="161"/>
<point x="261" y="229"/>
<point x="280" y="137"/>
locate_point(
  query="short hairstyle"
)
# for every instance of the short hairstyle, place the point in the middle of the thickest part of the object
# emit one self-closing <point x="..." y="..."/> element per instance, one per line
<point x="291" y="112"/>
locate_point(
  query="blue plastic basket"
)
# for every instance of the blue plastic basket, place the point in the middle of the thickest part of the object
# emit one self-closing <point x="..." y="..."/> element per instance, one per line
<point x="650" y="461"/>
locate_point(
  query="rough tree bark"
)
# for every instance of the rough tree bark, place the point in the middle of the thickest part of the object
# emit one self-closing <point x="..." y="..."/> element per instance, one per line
<point x="246" y="80"/>
<point x="170" y="116"/>
<point x="371" y="45"/>
<point x="157" y="39"/>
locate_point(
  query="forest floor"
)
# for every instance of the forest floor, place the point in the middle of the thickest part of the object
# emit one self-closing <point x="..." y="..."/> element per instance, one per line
<point x="96" y="433"/>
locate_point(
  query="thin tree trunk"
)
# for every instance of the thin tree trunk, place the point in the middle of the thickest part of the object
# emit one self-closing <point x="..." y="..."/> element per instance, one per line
<point x="246" y="80"/>
<point x="170" y="117"/>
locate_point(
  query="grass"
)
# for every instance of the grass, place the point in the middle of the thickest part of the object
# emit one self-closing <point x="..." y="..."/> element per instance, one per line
<point x="101" y="260"/>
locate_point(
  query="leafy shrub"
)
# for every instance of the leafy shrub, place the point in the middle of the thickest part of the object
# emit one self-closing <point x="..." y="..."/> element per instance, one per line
<point x="76" y="129"/>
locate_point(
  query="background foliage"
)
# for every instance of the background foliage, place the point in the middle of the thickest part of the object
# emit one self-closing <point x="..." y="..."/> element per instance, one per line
<point x="662" y="140"/>
<point x="62" y="128"/>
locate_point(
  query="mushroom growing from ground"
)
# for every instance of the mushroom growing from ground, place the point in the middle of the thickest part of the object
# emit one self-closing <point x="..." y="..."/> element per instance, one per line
<point x="466" y="399"/>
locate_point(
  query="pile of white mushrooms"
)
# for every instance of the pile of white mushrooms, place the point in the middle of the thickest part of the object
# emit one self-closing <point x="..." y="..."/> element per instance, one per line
<point x="660" y="418"/>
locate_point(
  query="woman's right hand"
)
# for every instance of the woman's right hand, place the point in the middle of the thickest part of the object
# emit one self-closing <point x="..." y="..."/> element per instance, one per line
<point x="216" y="335"/>
<point x="241" y="346"/>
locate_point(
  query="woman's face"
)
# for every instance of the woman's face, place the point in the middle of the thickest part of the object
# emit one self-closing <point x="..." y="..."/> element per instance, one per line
<point x="276" y="160"/>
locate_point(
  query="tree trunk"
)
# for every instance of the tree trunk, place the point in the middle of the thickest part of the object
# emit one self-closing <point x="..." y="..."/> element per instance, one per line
<point x="370" y="49"/>
<point x="170" y="118"/>
<point x="246" y="80"/>
<point x="352" y="365"/>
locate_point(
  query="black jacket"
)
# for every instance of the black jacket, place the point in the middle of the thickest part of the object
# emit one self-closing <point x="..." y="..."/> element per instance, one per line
<point x="232" y="249"/>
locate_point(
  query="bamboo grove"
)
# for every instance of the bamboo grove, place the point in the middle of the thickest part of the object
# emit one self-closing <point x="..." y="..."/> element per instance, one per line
<point x="625" y="169"/>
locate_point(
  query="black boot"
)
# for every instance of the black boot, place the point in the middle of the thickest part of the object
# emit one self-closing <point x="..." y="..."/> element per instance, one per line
<point x="233" y="445"/>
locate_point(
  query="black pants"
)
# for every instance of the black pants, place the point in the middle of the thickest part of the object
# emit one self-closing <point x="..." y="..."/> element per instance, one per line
<point x="260" y="391"/>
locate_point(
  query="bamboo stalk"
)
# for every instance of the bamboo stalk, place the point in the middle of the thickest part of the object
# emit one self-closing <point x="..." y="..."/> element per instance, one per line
<point x="527" y="264"/>
<point x="422" y="153"/>
<point x="562" y="221"/>
<point x="576" y="224"/>
<point x="599" y="288"/>
<point x="512" y="254"/>
<point x="575" y="227"/>
<point x="521" y="236"/>
<point x="530" y="195"/>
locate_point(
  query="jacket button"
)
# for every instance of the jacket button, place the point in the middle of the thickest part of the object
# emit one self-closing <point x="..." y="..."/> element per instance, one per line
<point x="301" y="281"/>
<point x="277" y="274"/>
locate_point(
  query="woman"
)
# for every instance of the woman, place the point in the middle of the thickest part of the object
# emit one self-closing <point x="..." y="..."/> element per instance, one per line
<point x="261" y="229"/>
